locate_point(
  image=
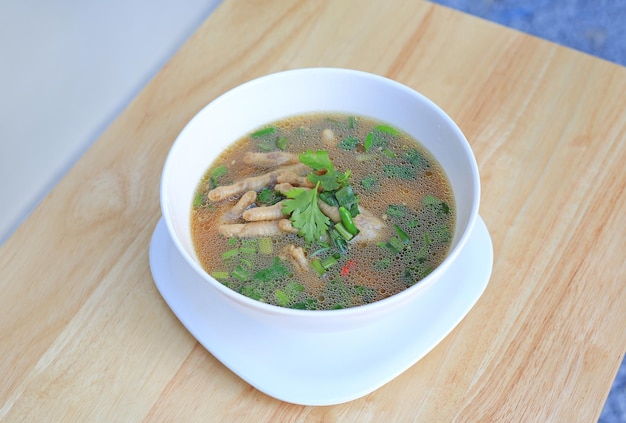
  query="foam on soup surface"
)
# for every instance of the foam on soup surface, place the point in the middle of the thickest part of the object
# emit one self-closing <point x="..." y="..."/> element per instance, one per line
<point x="323" y="211"/>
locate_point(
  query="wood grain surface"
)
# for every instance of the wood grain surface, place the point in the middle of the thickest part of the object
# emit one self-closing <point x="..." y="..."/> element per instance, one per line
<point x="85" y="335"/>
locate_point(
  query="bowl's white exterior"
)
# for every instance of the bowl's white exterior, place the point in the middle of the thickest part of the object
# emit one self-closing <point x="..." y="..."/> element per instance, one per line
<point x="269" y="98"/>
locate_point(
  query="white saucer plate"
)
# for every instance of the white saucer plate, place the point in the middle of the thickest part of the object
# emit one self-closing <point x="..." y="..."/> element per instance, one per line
<point x="321" y="368"/>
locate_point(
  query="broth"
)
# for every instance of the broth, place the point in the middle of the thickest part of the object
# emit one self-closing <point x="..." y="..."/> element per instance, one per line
<point x="405" y="216"/>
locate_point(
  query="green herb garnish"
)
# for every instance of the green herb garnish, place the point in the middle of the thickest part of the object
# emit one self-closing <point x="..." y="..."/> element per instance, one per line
<point x="374" y="139"/>
<point x="441" y="233"/>
<point x="265" y="246"/>
<point x="302" y="204"/>
<point x="438" y="206"/>
<point x="416" y="158"/>
<point x="396" y="210"/>
<point x="305" y="213"/>
<point x="281" y="143"/>
<point x="263" y="132"/>
<point x="289" y="294"/>
<point x="197" y="202"/>
<point x="274" y="272"/>
<point x="325" y="172"/>
<point x="387" y="130"/>
<point x="382" y="264"/>
<point x="399" y="171"/>
<point x="220" y="275"/>
<point x="349" y="143"/>
<point x="216" y="174"/>
<point x="241" y="273"/>
<point x="369" y="182"/>
<point x="346" y="198"/>
<point x="268" y="197"/>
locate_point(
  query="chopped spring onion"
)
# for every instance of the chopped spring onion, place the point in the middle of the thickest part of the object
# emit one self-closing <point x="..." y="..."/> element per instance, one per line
<point x="386" y="246"/>
<point x="368" y="182"/>
<point x="281" y="143"/>
<point x="396" y="244"/>
<point x="241" y="273"/>
<point x="396" y="210"/>
<point x="220" y="275"/>
<point x="431" y="200"/>
<point x="216" y="174"/>
<point x="387" y="129"/>
<point x="441" y="233"/>
<point x="281" y="298"/>
<point x="382" y="264"/>
<point x="408" y="278"/>
<point x="248" y="250"/>
<point x="247" y="263"/>
<point x="387" y="152"/>
<point x="197" y="202"/>
<point x="374" y="139"/>
<point x="404" y="237"/>
<point x="230" y="253"/>
<point x="265" y="246"/>
<point x="219" y="171"/>
<point x="289" y="294"/>
<point x="319" y="251"/>
<point x="328" y="262"/>
<point x="263" y="132"/>
<point x="369" y="140"/>
<point x="345" y="234"/>
<point x="399" y="171"/>
<point x="416" y="158"/>
<point x="423" y="251"/>
<point x="317" y="266"/>
<point x="267" y="145"/>
<point x="338" y="241"/>
<point x="348" y="143"/>
<point x="427" y="238"/>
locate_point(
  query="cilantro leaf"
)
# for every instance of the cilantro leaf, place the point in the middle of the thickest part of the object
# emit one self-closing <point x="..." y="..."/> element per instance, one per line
<point x="328" y="180"/>
<point x="331" y="180"/>
<point x="305" y="213"/>
<point x="342" y="178"/>
<point x="318" y="160"/>
<point x="325" y="173"/>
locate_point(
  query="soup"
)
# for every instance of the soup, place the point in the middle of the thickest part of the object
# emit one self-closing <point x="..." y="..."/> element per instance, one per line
<point x="323" y="211"/>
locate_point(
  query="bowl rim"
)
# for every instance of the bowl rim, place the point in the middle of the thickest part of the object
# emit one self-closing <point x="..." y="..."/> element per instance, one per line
<point x="370" y="308"/>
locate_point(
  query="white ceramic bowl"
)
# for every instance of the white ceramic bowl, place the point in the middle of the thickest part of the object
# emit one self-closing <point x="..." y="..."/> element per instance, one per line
<point x="269" y="98"/>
